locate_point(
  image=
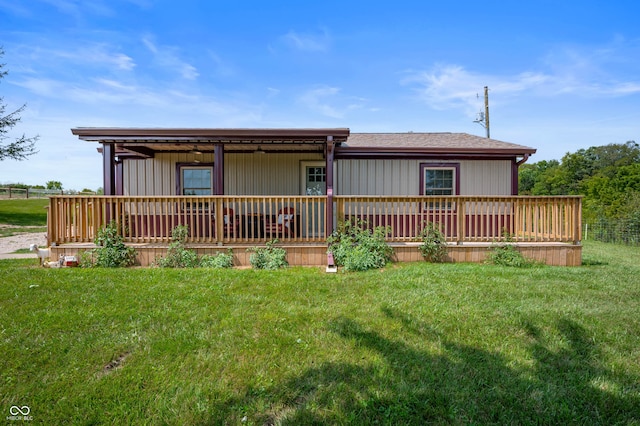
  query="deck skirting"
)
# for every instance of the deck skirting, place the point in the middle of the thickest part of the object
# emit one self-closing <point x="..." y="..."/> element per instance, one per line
<point x="553" y="254"/>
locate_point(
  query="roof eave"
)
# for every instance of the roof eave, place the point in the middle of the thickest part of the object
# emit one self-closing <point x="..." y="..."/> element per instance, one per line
<point x="406" y="152"/>
<point x="121" y="134"/>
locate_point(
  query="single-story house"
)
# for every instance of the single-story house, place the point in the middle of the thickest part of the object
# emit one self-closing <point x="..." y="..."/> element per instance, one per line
<point x="239" y="188"/>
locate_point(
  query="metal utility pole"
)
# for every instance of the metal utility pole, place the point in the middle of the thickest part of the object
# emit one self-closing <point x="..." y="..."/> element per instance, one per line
<point x="483" y="117"/>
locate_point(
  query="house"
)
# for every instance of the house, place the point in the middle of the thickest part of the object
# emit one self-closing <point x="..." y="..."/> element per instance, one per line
<point x="237" y="188"/>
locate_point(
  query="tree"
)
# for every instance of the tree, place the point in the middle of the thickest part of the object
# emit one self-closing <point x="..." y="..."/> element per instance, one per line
<point x="21" y="147"/>
<point x="607" y="176"/>
<point x="54" y="184"/>
<point x="530" y="174"/>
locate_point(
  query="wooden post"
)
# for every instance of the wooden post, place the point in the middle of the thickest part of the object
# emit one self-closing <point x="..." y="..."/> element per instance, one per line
<point x="577" y="218"/>
<point x="486" y="110"/>
<point x="329" y="183"/>
<point x="219" y="220"/>
<point x="462" y="220"/>
<point x="52" y="222"/>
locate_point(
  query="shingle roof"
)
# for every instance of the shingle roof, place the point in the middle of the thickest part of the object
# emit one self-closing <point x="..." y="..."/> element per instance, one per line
<point x="433" y="142"/>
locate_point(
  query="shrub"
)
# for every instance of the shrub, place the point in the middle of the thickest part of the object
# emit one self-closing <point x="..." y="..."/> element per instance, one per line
<point x="357" y="248"/>
<point x="111" y="251"/>
<point x="218" y="261"/>
<point x="434" y="245"/>
<point x="508" y="255"/>
<point x="269" y="257"/>
<point x="178" y="256"/>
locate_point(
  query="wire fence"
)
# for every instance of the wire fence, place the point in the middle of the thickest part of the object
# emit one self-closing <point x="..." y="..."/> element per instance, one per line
<point x="9" y="192"/>
<point x="622" y="232"/>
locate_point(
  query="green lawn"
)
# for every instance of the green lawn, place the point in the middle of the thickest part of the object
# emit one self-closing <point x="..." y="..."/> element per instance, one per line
<point x="413" y="344"/>
<point x="23" y="215"/>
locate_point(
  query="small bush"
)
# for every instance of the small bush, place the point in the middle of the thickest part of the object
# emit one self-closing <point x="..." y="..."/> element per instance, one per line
<point x="434" y="245"/>
<point x="508" y="255"/>
<point x="111" y="251"/>
<point x="269" y="257"/>
<point x="218" y="261"/>
<point x="178" y="256"/>
<point x="357" y="248"/>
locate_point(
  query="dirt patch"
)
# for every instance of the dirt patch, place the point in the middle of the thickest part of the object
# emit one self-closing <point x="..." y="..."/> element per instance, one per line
<point x="21" y="241"/>
<point x="116" y="363"/>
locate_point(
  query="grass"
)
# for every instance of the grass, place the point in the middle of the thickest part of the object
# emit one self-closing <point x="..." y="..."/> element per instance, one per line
<point x="23" y="215"/>
<point x="413" y="344"/>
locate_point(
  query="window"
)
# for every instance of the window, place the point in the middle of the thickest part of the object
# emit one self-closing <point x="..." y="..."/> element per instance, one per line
<point x="439" y="179"/>
<point x="196" y="180"/>
<point x="316" y="178"/>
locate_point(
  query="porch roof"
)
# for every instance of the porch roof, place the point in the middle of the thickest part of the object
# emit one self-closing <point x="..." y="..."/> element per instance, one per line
<point x="151" y="140"/>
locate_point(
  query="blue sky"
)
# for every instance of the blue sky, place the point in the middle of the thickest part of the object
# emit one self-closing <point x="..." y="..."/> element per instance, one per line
<point x="562" y="75"/>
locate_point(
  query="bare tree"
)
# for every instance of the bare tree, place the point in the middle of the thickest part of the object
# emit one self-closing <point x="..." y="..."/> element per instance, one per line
<point x="22" y="147"/>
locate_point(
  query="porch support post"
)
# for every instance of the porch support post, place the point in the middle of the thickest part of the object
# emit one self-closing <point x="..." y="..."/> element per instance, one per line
<point x="329" y="182"/>
<point x="109" y="168"/>
<point x="218" y="169"/>
<point x="119" y="177"/>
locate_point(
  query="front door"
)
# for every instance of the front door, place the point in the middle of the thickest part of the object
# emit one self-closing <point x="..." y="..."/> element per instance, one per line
<point x="314" y="182"/>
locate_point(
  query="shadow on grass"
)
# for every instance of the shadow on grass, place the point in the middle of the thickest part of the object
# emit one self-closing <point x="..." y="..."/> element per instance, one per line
<point x="452" y="383"/>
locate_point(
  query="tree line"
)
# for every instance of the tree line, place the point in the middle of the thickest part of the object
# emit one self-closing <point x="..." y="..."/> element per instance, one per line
<point x="52" y="185"/>
<point x="607" y="176"/>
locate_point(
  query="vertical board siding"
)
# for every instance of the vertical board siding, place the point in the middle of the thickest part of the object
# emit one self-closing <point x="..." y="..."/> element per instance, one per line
<point x="279" y="174"/>
<point x="377" y="177"/>
<point x="244" y="174"/>
<point x="264" y="174"/>
<point x="402" y="177"/>
<point x="156" y="176"/>
<point x="487" y="177"/>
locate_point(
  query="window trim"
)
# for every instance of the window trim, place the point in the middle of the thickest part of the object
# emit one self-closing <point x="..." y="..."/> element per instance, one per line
<point x="303" y="177"/>
<point x="441" y="166"/>
<point x="200" y="207"/>
<point x="181" y="166"/>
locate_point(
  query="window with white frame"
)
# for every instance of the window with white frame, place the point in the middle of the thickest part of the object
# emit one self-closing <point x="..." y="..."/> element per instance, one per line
<point x="439" y="179"/>
<point x="196" y="180"/>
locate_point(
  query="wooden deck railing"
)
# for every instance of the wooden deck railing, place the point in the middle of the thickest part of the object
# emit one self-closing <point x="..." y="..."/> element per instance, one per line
<point x="470" y="218"/>
<point x="218" y="219"/>
<point x="300" y="219"/>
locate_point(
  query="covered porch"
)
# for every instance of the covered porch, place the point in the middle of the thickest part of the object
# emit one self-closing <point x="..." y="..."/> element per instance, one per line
<point x="547" y="229"/>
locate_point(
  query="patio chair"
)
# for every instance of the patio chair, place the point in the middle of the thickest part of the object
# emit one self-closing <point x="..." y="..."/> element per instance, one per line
<point x="230" y="224"/>
<point x="283" y="224"/>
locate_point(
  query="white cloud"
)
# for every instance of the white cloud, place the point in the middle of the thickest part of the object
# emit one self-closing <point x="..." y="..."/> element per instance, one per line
<point x="167" y="58"/>
<point x="330" y="101"/>
<point x="272" y="92"/>
<point x="53" y="59"/>
<point x="319" y="100"/>
<point x="41" y="86"/>
<point x="307" y="42"/>
<point x="566" y="72"/>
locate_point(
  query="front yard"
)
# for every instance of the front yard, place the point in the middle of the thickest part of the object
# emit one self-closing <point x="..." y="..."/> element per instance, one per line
<point x="412" y="344"/>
